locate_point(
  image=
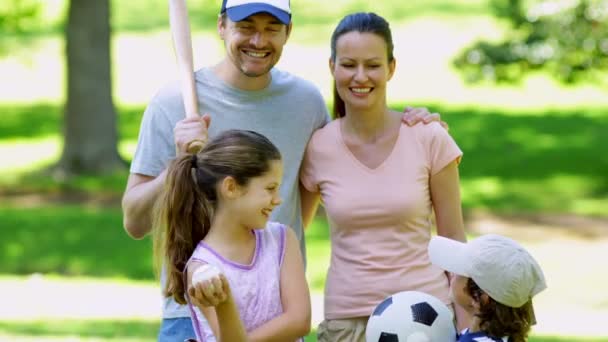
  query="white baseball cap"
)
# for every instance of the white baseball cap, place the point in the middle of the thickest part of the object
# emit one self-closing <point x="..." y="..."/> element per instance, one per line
<point x="238" y="10"/>
<point x="499" y="266"/>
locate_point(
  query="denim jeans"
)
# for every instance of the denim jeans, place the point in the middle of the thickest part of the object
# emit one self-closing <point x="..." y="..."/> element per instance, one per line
<point x="176" y="330"/>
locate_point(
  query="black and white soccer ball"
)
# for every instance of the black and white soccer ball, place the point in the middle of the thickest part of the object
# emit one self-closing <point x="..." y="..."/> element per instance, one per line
<point x="411" y="316"/>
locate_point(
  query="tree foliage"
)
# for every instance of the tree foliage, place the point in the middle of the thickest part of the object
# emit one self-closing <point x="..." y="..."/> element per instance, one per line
<point x="18" y="16"/>
<point x="569" y="39"/>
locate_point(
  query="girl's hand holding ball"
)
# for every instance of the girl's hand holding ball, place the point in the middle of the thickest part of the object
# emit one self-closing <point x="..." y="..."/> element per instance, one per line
<point x="209" y="286"/>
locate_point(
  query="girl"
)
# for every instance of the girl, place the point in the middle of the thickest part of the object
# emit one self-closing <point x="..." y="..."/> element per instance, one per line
<point x="214" y="210"/>
<point x="380" y="181"/>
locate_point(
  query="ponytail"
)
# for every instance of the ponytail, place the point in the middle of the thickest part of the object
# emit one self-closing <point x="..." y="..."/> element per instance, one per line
<point x="183" y="212"/>
<point x="339" y="106"/>
<point x="182" y="220"/>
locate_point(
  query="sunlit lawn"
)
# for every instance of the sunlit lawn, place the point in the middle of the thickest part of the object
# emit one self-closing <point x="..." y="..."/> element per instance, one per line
<point x="134" y="331"/>
<point x="535" y="161"/>
<point x="515" y="162"/>
<point x="87" y="239"/>
<point x="79" y="330"/>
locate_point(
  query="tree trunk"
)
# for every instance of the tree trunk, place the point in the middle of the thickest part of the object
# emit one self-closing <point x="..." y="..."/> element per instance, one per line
<point x="90" y="120"/>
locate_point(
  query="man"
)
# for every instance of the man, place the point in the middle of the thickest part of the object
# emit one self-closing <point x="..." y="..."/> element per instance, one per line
<point x="242" y="91"/>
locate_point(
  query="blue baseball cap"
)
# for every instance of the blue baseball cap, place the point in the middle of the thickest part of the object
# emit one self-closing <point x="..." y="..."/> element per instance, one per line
<point x="238" y="10"/>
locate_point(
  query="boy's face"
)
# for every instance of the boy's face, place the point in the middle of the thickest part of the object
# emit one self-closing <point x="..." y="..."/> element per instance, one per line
<point x="459" y="293"/>
<point x="254" y="44"/>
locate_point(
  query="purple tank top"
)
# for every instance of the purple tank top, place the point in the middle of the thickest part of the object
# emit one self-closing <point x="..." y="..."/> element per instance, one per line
<point x="255" y="287"/>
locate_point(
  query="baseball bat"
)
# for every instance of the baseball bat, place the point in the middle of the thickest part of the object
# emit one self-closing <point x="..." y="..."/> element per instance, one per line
<point x="182" y="44"/>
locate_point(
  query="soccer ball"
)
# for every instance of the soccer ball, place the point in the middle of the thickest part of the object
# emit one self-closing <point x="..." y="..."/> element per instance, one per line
<point x="411" y="316"/>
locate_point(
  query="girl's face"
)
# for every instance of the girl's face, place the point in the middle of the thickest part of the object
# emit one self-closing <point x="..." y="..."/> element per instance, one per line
<point x="361" y="69"/>
<point x="259" y="197"/>
<point x="459" y="294"/>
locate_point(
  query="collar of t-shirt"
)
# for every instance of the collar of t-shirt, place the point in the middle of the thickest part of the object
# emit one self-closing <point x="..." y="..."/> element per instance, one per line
<point x="478" y="336"/>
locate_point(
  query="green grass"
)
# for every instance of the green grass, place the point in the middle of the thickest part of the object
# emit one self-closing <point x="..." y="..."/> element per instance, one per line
<point x="533" y="162"/>
<point x="18" y="121"/>
<point x="82" y="330"/>
<point x="515" y="162"/>
<point x="70" y="239"/>
<point x="317" y="253"/>
<point x="132" y="331"/>
<point x="88" y="240"/>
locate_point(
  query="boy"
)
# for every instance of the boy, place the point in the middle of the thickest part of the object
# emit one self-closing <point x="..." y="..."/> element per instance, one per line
<point x="494" y="279"/>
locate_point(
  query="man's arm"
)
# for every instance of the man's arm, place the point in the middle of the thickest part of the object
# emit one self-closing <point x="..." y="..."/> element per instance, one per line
<point x="138" y="202"/>
<point x="142" y="191"/>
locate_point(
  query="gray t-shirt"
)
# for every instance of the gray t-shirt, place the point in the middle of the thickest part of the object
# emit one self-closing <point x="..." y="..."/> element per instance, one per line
<point x="287" y="112"/>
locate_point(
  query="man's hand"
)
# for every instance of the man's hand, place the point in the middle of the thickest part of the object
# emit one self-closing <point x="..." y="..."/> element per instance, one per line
<point x="412" y="116"/>
<point x="189" y="130"/>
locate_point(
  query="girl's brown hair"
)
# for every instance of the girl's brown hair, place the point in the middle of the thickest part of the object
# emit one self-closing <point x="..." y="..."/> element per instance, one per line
<point x="183" y="212"/>
<point x="498" y="320"/>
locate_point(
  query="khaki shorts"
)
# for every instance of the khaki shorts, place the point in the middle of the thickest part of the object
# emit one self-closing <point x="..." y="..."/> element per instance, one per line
<point x="342" y="330"/>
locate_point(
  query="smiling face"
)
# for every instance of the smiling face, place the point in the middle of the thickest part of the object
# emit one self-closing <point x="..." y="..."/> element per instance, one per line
<point x="259" y="197"/>
<point x="459" y="293"/>
<point x="254" y="45"/>
<point x="362" y="69"/>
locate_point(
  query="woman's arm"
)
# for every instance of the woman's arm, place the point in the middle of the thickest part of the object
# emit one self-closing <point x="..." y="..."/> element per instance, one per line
<point x="214" y="299"/>
<point x="310" y="203"/>
<point x="445" y="195"/>
<point x="294" y="322"/>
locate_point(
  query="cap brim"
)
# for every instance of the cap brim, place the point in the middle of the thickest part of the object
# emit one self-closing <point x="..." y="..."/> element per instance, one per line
<point x="238" y="13"/>
<point x="450" y="255"/>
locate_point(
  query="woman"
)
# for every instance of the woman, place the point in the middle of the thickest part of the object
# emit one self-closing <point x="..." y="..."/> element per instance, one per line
<point x="379" y="181"/>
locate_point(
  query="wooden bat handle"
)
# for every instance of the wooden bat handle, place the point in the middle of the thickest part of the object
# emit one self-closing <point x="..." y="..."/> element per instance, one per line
<point x="182" y="43"/>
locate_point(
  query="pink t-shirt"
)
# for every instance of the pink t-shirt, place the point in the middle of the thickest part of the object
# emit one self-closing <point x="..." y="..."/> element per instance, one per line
<point x="380" y="219"/>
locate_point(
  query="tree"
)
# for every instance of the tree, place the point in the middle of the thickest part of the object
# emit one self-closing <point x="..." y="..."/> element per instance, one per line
<point x="90" y="120"/>
<point x="569" y="39"/>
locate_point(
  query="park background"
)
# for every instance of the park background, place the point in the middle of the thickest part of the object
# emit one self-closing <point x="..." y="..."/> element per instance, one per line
<point x="534" y="135"/>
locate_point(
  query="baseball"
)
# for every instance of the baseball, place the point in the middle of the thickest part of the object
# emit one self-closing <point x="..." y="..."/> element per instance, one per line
<point x="205" y="272"/>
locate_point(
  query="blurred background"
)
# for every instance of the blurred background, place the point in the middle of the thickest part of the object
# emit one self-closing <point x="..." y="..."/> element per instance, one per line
<point x="522" y="84"/>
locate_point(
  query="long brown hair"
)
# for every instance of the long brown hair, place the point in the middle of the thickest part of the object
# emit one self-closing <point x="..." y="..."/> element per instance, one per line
<point x="364" y="23"/>
<point x="183" y="212"/>
<point x="498" y="320"/>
